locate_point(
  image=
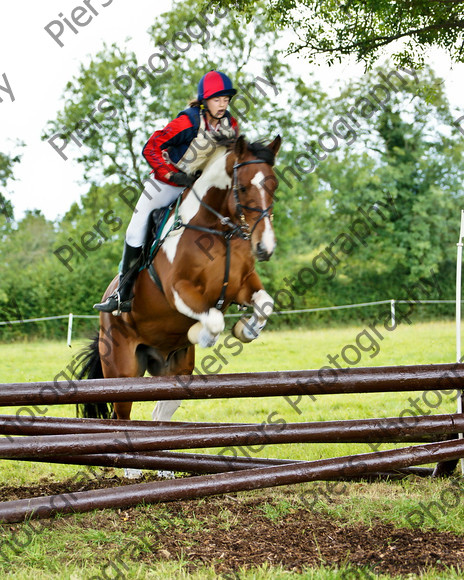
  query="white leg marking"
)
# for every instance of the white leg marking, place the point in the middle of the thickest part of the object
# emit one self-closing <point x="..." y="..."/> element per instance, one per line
<point x="263" y="305"/>
<point x="164" y="410"/>
<point x="200" y="335"/>
<point x="212" y="323"/>
<point x="132" y="473"/>
<point x="166" y="474"/>
<point x="248" y="330"/>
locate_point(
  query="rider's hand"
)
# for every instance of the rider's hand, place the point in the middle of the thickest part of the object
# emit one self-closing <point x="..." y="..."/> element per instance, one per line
<point x="182" y="179"/>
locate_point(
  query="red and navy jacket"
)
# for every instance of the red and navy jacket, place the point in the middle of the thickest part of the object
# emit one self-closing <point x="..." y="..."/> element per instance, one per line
<point x="175" y="138"/>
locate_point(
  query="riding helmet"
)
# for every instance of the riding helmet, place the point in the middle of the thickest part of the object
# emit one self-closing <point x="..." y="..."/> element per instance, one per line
<point x="215" y="84"/>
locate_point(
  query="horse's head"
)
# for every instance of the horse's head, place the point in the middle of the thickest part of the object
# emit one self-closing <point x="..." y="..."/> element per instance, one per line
<point x="254" y="184"/>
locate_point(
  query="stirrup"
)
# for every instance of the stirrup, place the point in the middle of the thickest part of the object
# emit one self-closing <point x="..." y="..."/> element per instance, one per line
<point x="117" y="312"/>
<point x="122" y="306"/>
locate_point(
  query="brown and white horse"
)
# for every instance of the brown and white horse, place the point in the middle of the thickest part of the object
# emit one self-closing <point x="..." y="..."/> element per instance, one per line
<point x="206" y="262"/>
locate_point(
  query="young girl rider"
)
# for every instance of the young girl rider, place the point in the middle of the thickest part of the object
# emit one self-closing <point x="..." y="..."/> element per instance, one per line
<point x="175" y="154"/>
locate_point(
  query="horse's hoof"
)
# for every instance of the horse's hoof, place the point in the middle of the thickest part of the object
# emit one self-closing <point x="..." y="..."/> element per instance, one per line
<point x="198" y="334"/>
<point x="166" y="474"/>
<point x="206" y="339"/>
<point x="130" y="473"/>
<point x="246" y="332"/>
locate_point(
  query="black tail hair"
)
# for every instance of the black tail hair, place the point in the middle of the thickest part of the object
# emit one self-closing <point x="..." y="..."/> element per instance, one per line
<point x="90" y="368"/>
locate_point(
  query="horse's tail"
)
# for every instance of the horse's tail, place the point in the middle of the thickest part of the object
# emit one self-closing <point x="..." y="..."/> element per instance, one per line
<point x="90" y="367"/>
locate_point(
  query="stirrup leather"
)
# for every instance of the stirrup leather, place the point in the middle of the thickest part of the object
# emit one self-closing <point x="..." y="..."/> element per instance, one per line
<point x="123" y="306"/>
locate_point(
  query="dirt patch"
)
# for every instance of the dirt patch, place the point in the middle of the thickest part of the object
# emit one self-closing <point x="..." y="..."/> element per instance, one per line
<point x="301" y="539"/>
<point x="246" y="530"/>
<point x="83" y="481"/>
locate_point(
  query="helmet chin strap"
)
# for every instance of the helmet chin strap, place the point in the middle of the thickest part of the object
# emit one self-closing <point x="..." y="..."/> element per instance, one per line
<point x="206" y="110"/>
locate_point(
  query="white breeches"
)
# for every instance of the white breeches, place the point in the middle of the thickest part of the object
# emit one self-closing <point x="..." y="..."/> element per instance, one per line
<point x="156" y="194"/>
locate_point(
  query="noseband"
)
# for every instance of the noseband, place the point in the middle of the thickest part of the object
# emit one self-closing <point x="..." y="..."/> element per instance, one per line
<point x="241" y="231"/>
<point x="267" y="212"/>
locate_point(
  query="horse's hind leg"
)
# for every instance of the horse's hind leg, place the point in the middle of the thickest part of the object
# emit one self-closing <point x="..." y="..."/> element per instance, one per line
<point x="180" y="363"/>
<point x="118" y="355"/>
<point x="164" y="410"/>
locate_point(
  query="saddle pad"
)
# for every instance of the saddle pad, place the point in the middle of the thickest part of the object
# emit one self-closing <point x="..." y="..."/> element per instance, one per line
<point x="157" y="221"/>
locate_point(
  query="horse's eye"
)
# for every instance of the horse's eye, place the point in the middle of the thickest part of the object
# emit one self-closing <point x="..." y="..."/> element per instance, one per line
<point x="242" y="189"/>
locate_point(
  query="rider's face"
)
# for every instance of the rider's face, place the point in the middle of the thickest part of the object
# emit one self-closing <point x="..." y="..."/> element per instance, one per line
<point x="217" y="106"/>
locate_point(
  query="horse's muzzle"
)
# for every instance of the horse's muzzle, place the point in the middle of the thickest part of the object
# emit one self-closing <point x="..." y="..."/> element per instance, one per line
<point x="262" y="255"/>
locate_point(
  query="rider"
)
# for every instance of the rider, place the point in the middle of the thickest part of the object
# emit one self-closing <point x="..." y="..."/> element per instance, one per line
<point x="176" y="154"/>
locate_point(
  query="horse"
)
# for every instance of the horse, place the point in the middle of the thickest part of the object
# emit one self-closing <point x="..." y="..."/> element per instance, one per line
<point x="206" y="261"/>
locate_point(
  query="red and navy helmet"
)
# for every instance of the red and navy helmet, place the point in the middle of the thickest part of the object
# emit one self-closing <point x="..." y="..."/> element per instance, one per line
<point x="215" y="84"/>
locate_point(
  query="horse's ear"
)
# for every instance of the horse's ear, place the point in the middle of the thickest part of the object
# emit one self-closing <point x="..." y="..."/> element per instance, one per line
<point x="240" y="147"/>
<point x="275" y="145"/>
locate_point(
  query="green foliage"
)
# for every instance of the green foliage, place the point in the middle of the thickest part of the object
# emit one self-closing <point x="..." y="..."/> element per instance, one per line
<point x="340" y="156"/>
<point x="7" y="163"/>
<point x="404" y="155"/>
<point x="156" y="90"/>
<point x="364" y="27"/>
<point x="50" y="270"/>
<point x="411" y="157"/>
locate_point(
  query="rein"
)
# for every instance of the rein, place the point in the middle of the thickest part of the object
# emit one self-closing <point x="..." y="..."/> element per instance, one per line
<point x="241" y="230"/>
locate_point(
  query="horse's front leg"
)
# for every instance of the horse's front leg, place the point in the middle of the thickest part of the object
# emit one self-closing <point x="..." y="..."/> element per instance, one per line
<point x="247" y="329"/>
<point x="190" y="302"/>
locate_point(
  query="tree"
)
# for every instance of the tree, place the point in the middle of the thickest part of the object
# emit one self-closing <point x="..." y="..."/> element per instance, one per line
<point x="271" y="99"/>
<point x="6" y="173"/>
<point x="26" y="280"/>
<point x="405" y="153"/>
<point x="365" y="27"/>
<point x="116" y="102"/>
<point x="405" y="148"/>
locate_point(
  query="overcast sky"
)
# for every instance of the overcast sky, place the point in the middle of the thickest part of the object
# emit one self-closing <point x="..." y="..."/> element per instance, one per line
<point x="37" y="70"/>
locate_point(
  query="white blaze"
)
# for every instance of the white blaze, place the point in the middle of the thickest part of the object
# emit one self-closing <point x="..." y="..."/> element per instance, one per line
<point x="268" y="241"/>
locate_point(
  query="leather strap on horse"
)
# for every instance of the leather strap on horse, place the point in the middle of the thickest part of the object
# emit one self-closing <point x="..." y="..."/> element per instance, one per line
<point x="241" y="230"/>
<point x="267" y="212"/>
<point x="227" y="237"/>
<point x="155" y="277"/>
<point x="222" y="296"/>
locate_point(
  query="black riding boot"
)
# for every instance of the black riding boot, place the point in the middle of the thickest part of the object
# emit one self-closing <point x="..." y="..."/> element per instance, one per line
<point x="120" y="301"/>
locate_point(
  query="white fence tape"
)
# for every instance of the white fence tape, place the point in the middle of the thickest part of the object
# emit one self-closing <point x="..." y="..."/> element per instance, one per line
<point x="392" y="303"/>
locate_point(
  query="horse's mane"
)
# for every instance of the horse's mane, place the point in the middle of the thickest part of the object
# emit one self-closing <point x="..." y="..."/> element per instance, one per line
<point x="258" y="148"/>
<point x="223" y="141"/>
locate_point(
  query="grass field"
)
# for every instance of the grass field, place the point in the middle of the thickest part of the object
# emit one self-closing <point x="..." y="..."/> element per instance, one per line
<point x="68" y="548"/>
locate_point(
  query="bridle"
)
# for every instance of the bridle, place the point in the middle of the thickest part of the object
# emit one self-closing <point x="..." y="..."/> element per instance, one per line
<point x="265" y="213"/>
<point x="241" y="230"/>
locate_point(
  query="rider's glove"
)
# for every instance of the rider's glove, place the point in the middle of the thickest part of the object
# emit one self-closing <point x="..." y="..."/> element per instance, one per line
<point x="182" y="179"/>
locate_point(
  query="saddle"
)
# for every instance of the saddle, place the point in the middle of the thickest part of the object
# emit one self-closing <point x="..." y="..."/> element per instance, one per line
<point x="156" y="222"/>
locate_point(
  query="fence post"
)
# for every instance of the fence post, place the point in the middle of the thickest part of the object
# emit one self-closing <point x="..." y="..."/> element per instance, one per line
<point x="458" y="316"/>
<point x="392" y="310"/>
<point x="70" y="324"/>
